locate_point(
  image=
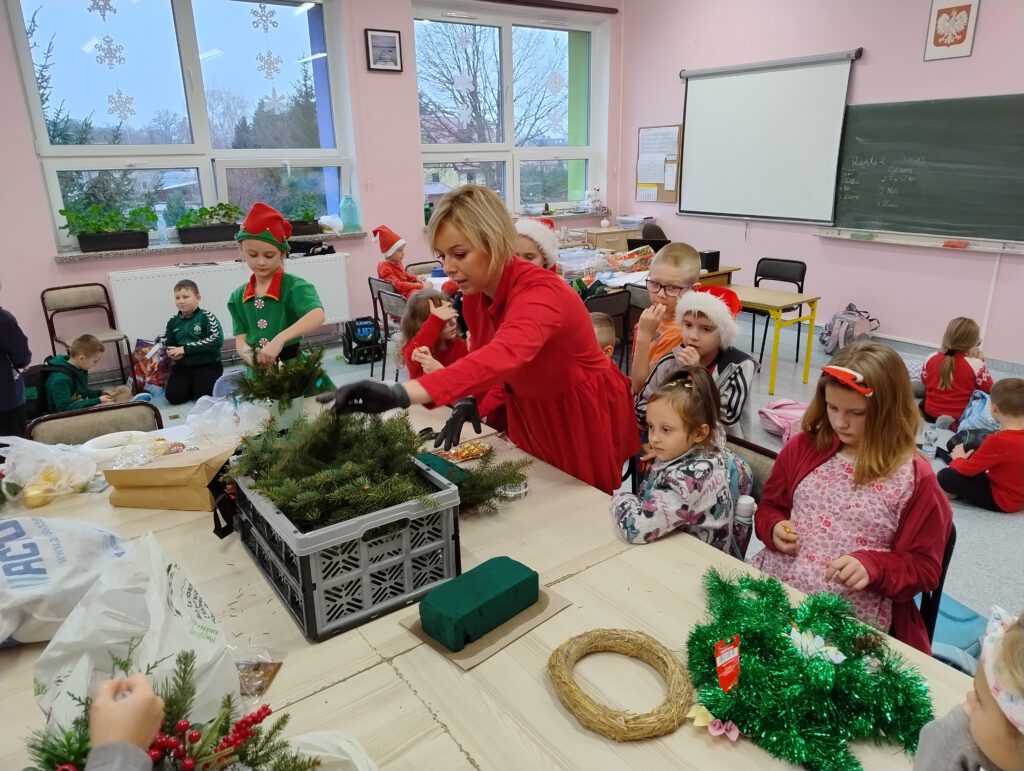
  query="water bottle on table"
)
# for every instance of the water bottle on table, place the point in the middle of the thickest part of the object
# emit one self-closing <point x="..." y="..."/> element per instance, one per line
<point x="742" y="524"/>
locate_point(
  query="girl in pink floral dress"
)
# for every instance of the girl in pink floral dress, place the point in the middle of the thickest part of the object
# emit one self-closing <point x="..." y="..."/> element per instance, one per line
<point x="850" y="506"/>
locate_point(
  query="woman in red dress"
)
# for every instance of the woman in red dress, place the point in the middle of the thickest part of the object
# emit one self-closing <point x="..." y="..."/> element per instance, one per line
<point x="531" y="337"/>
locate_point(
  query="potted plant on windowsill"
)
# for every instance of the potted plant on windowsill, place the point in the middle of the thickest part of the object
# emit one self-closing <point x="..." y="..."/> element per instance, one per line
<point x="206" y="224"/>
<point x="99" y="229"/>
<point x="305" y="216"/>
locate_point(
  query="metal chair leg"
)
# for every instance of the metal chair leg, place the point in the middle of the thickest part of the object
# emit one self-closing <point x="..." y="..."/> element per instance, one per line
<point x="764" y="339"/>
<point x="799" y="312"/>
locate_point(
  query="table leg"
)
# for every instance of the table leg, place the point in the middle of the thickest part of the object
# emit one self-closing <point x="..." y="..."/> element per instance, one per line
<point x="810" y="339"/>
<point x="776" y="318"/>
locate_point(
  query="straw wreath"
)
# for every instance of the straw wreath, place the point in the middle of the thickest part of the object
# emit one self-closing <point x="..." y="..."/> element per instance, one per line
<point x="616" y="724"/>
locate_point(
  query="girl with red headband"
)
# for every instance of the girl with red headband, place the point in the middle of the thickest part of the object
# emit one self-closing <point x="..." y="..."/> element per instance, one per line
<point x="851" y="507"/>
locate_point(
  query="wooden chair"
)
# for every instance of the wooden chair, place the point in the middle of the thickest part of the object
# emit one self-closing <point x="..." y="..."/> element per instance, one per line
<point x="786" y="272"/>
<point x="378" y="285"/>
<point x="80" y="297"/>
<point x="616" y="305"/>
<point x="79" y="426"/>
<point x="392" y="306"/>
<point x="422" y="268"/>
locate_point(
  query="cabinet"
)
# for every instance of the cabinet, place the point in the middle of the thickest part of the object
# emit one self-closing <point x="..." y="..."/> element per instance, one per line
<point x="611" y="238"/>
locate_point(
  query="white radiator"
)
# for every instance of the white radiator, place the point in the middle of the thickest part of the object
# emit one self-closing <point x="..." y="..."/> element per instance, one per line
<point x="144" y="299"/>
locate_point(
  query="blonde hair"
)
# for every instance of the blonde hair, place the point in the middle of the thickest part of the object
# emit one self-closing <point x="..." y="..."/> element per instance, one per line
<point x="962" y="334"/>
<point x="86" y="345"/>
<point x="417" y="309"/>
<point x="892" y="417"/>
<point x="482" y="216"/>
<point x="1012" y="658"/>
<point x="679" y="255"/>
<point x="693" y="396"/>
<point x="604" y="329"/>
<point x="1008" y="395"/>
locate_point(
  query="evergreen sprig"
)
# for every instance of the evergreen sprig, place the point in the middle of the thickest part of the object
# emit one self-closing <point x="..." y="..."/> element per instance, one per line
<point x="179" y="691"/>
<point x="482" y="487"/>
<point x="285" y="381"/>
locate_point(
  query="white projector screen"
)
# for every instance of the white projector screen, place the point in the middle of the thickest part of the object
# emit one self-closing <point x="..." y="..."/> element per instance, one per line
<point x="764" y="143"/>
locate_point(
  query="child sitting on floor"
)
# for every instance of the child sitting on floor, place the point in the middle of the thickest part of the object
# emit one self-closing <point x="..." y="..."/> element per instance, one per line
<point x="951" y="375"/>
<point x="691" y="486"/>
<point x="193" y="338"/>
<point x="392" y="249"/>
<point x="429" y="326"/>
<point x="850" y="506"/>
<point x="67" y="385"/>
<point x="993" y="475"/>
<point x="707" y="322"/>
<point x="987" y="730"/>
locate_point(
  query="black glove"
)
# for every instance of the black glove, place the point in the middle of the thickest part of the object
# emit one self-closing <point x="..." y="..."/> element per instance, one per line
<point x="366" y="396"/>
<point x="451" y="434"/>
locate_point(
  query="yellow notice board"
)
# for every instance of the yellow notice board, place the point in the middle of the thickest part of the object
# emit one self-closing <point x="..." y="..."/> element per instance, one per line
<point x="659" y="151"/>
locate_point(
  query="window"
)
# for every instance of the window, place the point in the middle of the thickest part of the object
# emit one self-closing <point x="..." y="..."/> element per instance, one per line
<point x="234" y="106"/>
<point x="506" y="102"/>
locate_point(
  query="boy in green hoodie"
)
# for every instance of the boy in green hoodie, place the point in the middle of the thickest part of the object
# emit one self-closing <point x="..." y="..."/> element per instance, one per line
<point x="68" y="387"/>
<point x="193" y="338"/>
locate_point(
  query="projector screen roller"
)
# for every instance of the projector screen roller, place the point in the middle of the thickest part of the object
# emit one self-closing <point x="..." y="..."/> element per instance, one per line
<point x="764" y="143"/>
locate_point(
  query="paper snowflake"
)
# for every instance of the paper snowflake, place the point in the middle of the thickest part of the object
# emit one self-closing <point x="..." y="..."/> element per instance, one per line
<point x="263" y="17"/>
<point x="102" y="7"/>
<point x="109" y="53"/>
<point x="464" y="83"/>
<point x="274" y="102"/>
<point x="555" y="122"/>
<point x="269" y="64"/>
<point x="258" y="304"/>
<point x="464" y="113"/>
<point x="262" y="323"/>
<point x="556" y="82"/>
<point x="121" y="105"/>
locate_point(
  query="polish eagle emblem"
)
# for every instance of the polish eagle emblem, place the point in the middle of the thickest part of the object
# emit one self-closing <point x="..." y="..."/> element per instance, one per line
<point x="951" y="25"/>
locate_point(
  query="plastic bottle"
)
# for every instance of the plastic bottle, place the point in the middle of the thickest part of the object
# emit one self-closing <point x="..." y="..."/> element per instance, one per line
<point x="931" y="437"/>
<point x="743" y="521"/>
<point x="349" y="213"/>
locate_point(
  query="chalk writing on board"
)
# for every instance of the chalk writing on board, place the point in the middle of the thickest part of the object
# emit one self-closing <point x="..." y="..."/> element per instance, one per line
<point x="887" y="179"/>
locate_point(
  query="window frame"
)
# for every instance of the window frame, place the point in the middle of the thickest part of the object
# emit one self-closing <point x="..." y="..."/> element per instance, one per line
<point x="594" y="153"/>
<point x="200" y="153"/>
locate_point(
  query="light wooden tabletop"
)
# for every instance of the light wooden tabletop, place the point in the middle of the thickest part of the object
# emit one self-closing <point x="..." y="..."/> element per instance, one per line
<point x="770" y="299"/>
<point x="409" y="707"/>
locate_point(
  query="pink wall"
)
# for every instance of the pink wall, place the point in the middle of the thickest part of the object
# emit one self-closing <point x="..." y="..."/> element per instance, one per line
<point x="913" y="290"/>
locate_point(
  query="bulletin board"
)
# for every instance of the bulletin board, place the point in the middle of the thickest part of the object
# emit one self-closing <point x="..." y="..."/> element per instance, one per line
<point x="659" y="153"/>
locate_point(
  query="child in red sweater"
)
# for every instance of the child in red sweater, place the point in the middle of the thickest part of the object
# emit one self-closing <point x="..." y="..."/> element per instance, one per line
<point x="951" y="375"/>
<point x="993" y="475"/>
<point x="429" y="326"/>
<point x="392" y="248"/>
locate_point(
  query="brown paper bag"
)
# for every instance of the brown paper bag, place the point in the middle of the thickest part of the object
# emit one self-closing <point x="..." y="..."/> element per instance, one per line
<point x="176" y="481"/>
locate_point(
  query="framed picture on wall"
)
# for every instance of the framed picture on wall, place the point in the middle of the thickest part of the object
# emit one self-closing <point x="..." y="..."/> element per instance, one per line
<point x="384" y="50"/>
<point x="951" y="29"/>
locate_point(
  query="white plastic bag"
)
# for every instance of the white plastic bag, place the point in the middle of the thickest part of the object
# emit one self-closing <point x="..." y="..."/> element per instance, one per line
<point x="337" y="751"/>
<point x="227" y="419"/>
<point x="53" y="469"/>
<point x="45" y="568"/>
<point x="145" y="600"/>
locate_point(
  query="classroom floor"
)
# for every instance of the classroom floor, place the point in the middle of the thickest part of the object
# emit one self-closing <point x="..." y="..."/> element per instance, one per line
<point x="986" y="568"/>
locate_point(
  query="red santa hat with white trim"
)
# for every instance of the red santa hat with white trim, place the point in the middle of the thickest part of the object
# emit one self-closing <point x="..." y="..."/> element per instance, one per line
<point x="542" y="232"/>
<point x="718" y="304"/>
<point x="388" y="240"/>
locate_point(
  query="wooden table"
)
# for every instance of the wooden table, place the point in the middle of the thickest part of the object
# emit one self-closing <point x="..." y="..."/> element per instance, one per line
<point x="409" y="707"/>
<point x="775" y="302"/>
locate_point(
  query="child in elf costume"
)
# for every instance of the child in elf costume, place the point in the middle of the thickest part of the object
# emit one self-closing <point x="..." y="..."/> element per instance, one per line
<point x="392" y="249"/>
<point x="274" y="309"/>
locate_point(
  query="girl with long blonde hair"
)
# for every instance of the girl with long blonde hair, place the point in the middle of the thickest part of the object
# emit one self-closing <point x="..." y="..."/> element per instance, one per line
<point x="951" y="375"/>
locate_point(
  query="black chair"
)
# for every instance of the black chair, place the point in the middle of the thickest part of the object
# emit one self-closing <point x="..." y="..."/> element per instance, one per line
<point x="392" y="306"/>
<point x="616" y="305"/>
<point x="787" y="272"/>
<point x="930" y="600"/>
<point x="378" y="285"/>
<point x="652" y="230"/>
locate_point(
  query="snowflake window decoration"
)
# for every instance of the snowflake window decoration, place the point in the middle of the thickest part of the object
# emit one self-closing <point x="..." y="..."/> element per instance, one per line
<point x="270" y="64"/>
<point x="556" y="82"/>
<point x="120" y="105"/>
<point x="464" y="83"/>
<point x="109" y="53"/>
<point x="102" y="7"/>
<point x="263" y="17"/>
<point x="275" y="102"/>
<point x="463" y="117"/>
<point x="555" y="122"/>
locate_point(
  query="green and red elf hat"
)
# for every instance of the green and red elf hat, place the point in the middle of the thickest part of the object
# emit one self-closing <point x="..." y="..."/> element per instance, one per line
<point x="265" y="223"/>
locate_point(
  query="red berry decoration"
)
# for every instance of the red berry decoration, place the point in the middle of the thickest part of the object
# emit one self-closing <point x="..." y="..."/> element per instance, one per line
<point x="188" y="764"/>
<point x="66" y="766"/>
<point x="194" y="737"/>
<point x="179" y="753"/>
<point x="183" y="726"/>
<point x="155" y="755"/>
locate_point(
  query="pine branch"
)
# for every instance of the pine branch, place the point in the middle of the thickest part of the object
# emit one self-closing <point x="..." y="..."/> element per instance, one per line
<point x="179" y="692"/>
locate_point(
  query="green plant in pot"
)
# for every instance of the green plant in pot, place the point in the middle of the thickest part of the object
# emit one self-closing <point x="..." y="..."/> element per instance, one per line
<point x="206" y="224"/>
<point x="304" y="215"/>
<point x="100" y="229"/>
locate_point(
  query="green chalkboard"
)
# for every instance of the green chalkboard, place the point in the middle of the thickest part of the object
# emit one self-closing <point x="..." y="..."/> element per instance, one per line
<point x="951" y="167"/>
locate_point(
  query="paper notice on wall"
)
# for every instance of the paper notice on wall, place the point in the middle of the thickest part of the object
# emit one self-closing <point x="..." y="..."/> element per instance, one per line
<point x="662" y="139"/>
<point x="647" y="192"/>
<point x="670" y="175"/>
<point x="650" y="169"/>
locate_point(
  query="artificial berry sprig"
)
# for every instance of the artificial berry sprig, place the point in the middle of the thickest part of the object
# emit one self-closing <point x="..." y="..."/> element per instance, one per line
<point x="242" y="730"/>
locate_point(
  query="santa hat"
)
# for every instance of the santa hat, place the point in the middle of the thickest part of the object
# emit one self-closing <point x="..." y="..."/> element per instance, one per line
<point x="717" y="304"/>
<point x="388" y="240"/>
<point x="542" y="233"/>
<point x="265" y="223"/>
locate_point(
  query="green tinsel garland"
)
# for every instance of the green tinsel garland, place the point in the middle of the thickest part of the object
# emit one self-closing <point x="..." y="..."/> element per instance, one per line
<point x="804" y="709"/>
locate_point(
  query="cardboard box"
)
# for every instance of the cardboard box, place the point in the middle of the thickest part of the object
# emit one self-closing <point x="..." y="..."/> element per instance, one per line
<point x="178" y="481"/>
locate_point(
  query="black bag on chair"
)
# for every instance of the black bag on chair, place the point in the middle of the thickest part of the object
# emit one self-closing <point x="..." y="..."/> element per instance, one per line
<point x="360" y="341"/>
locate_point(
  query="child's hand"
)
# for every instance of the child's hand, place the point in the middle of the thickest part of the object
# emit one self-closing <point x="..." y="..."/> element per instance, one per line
<point x="687" y="355"/>
<point x="959" y="453"/>
<point x="268" y="354"/>
<point x="176" y="351"/>
<point x="848" y="571"/>
<point x="106" y="399"/>
<point x="425" y="359"/>
<point x="445" y="312"/>
<point x="647" y="454"/>
<point x="424" y="279"/>
<point x="651" y="318"/>
<point x="977" y="353"/>
<point x="784" y="537"/>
